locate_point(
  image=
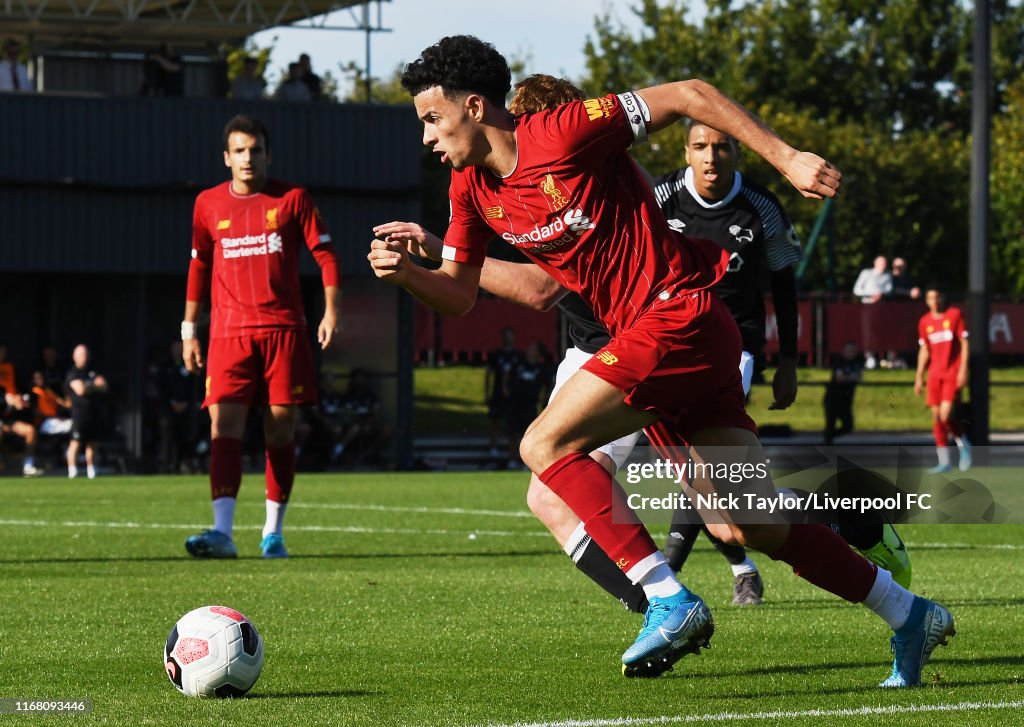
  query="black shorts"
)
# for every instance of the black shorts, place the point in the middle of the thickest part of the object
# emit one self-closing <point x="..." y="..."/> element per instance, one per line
<point x="84" y="428"/>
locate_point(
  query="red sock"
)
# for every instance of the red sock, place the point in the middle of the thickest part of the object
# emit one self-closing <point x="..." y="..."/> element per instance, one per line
<point x="594" y="495"/>
<point x="941" y="435"/>
<point x="225" y="467"/>
<point x="954" y="426"/>
<point x="821" y="557"/>
<point x="280" y="472"/>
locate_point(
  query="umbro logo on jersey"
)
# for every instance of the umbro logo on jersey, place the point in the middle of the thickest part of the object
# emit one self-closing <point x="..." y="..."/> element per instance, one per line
<point x="223" y="224"/>
<point x="272" y="219"/>
<point x="607" y="358"/>
<point x="677" y="225"/>
<point x="598" y="108"/>
<point x="494" y="213"/>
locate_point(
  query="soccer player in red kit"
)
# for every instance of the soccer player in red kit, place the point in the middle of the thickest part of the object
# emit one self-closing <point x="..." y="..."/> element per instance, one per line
<point x="560" y="186"/>
<point x="247" y="235"/>
<point x="942" y="337"/>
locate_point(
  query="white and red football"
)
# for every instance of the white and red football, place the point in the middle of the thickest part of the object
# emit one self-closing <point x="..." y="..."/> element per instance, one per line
<point x="213" y="651"/>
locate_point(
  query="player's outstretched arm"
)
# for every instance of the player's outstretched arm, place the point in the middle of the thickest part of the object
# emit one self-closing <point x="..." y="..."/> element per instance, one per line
<point x="451" y="290"/>
<point x="418" y="240"/>
<point x="525" y="284"/>
<point x="521" y="283"/>
<point x="813" y="176"/>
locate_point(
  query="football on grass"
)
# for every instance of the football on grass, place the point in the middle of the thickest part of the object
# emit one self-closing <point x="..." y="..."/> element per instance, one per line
<point x="213" y="651"/>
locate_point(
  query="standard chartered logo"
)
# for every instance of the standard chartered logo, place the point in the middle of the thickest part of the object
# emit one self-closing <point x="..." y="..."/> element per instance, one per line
<point x="567" y="228"/>
<point x="251" y="245"/>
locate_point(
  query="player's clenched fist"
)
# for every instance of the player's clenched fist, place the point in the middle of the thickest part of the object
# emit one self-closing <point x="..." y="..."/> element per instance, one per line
<point x="389" y="260"/>
<point x="812" y="175"/>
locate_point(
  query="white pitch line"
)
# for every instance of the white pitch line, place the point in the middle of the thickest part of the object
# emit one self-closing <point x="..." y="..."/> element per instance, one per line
<point x="775" y="715"/>
<point x="409" y="531"/>
<point x="964" y="546"/>
<point x="302" y="528"/>
<point x="396" y="508"/>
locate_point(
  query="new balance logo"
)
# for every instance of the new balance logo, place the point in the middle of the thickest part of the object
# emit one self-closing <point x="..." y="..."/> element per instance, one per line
<point x="494" y="213"/>
<point x="607" y="358"/>
<point x="223" y="224"/>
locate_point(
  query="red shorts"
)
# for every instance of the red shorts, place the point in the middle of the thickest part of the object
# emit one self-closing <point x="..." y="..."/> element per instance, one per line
<point x="942" y="387"/>
<point x="275" y="366"/>
<point x="680" y="360"/>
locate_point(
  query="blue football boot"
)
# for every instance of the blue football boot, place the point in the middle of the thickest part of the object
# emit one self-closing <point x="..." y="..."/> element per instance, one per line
<point x="273" y="546"/>
<point x="928" y="626"/>
<point x="211" y="544"/>
<point x="673" y="627"/>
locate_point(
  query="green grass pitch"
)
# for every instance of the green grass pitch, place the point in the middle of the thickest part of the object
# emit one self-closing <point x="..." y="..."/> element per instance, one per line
<point x="436" y="599"/>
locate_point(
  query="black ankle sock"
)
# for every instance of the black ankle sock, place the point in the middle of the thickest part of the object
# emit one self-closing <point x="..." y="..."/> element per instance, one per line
<point x="595" y="564"/>
<point x="681" y="537"/>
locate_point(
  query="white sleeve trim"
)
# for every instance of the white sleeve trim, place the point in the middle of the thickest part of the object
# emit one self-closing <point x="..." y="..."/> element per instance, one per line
<point x="448" y="253"/>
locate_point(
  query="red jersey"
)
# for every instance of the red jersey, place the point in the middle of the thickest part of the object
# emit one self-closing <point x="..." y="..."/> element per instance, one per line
<point x="941" y="335"/>
<point x="252" y="244"/>
<point x="578" y="207"/>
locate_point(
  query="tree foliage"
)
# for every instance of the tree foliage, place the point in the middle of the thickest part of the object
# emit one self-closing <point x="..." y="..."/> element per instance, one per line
<point x="1008" y="194"/>
<point x="236" y="57"/>
<point x="882" y="88"/>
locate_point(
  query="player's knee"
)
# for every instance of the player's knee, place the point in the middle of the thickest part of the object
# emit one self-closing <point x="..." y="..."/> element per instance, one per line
<point x="538" y="498"/>
<point x="279" y="427"/>
<point x="532" y="450"/>
<point x="727" y="534"/>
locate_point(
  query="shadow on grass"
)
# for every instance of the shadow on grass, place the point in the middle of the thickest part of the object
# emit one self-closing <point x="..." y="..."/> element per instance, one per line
<point x="314" y="695"/>
<point x="802" y="604"/>
<point x="808" y="669"/>
<point x="873" y="688"/>
<point x="311" y="556"/>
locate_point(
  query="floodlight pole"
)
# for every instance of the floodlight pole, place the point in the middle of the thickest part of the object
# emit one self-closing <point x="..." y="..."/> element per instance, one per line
<point x="977" y="271"/>
<point x="368" y="82"/>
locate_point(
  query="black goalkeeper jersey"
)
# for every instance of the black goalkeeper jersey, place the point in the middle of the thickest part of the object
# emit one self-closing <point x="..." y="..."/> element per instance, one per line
<point x="585" y="332"/>
<point x="750" y="223"/>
